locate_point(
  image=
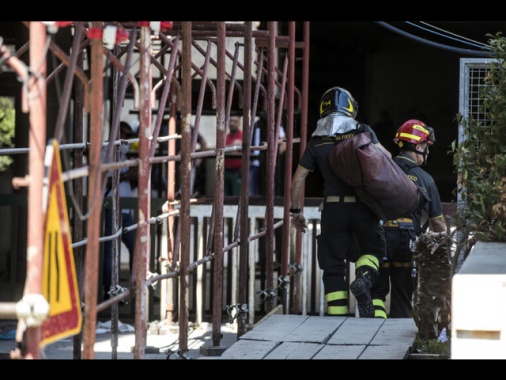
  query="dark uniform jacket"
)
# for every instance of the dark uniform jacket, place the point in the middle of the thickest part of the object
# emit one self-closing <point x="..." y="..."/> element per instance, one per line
<point x="316" y="155"/>
<point x="430" y="202"/>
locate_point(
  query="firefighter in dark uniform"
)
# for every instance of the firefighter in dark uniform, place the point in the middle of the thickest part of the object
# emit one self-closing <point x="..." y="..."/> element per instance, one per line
<point x="344" y="217"/>
<point x="413" y="139"/>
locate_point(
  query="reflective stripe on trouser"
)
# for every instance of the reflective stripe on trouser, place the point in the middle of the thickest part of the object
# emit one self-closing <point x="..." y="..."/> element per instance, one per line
<point x="380" y="310"/>
<point x="369" y="261"/>
<point x="337" y="302"/>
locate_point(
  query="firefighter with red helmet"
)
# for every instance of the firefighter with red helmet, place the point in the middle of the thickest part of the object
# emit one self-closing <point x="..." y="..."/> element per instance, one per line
<point x="395" y="275"/>
<point x="345" y="220"/>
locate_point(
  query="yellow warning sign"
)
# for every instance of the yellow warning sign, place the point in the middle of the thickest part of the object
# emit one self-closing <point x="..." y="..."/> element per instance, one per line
<point x="59" y="281"/>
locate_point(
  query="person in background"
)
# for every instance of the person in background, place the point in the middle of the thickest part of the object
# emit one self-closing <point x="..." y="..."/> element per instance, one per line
<point x="127" y="188"/>
<point x="279" y="185"/>
<point x="413" y="138"/>
<point x="344" y="217"/>
<point x="258" y="160"/>
<point x="233" y="160"/>
<point x="197" y="182"/>
<point x="254" y="168"/>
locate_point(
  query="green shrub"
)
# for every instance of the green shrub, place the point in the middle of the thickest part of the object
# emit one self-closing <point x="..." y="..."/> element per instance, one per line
<point x="7" y="121"/>
<point x="480" y="159"/>
<point x="431" y="346"/>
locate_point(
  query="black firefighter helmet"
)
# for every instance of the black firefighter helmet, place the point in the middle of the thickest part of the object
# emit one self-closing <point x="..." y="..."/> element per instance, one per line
<point x="337" y="99"/>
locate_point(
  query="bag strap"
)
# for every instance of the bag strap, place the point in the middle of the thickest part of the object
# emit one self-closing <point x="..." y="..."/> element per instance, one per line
<point x="360" y="127"/>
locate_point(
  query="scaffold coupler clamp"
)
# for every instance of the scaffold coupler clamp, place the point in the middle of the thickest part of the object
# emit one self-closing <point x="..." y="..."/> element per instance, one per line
<point x="117" y="290"/>
<point x="283" y="282"/>
<point x="33" y="309"/>
<point x="237" y="311"/>
<point x="295" y="268"/>
<point x="172" y="266"/>
<point x="267" y="295"/>
<point x="151" y="275"/>
<point x="177" y="355"/>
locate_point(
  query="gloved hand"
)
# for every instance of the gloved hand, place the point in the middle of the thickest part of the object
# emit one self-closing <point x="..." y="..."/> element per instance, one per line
<point x="299" y="222"/>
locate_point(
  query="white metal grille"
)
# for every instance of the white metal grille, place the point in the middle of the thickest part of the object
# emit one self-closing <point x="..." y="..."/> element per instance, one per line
<point x="473" y="72"/>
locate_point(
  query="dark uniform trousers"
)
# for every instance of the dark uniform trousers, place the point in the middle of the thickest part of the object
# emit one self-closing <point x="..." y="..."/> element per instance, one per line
<point x="396" y="271"/>
<point x="344" y="223"/>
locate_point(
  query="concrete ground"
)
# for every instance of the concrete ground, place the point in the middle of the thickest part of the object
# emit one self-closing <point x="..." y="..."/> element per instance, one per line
<point x="162" y="342"/>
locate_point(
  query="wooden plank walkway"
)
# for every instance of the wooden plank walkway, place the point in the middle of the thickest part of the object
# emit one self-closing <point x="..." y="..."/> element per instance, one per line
<point x="314" y="337"/>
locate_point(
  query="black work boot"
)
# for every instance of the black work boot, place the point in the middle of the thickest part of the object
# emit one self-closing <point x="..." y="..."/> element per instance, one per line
<point x="361" y="289"/>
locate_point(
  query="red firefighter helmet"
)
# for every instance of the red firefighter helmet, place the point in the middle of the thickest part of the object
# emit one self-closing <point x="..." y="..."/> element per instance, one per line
<point x="415" y="132"/>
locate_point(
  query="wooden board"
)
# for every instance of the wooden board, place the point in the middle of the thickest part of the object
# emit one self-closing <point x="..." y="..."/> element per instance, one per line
<point x="296" y="337"/>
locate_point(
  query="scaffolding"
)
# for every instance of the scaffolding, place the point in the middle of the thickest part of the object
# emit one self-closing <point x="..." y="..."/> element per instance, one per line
<point x="206" y="71"/>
